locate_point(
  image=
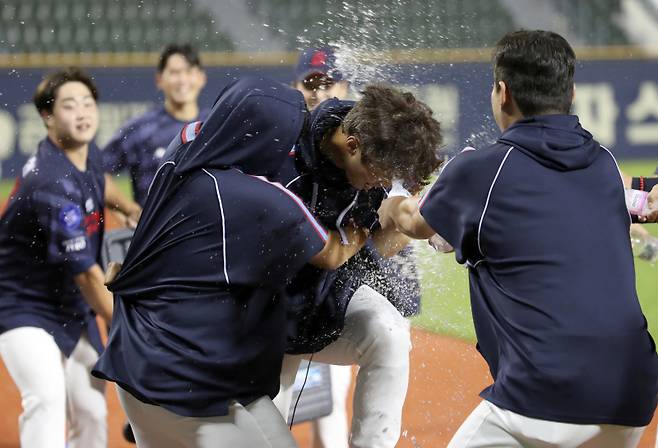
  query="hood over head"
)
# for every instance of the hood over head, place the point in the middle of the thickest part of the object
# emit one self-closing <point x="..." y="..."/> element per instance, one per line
<point x="252" y="126"/>
<point x="325" y="118"/>
<point x="555" y="141"/>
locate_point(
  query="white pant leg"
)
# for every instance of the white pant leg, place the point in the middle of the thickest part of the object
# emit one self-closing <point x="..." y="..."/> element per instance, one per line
<point x="35" y="363"/>
<point x="257" y="425"/>
<point x="482" y="429"/>
<point x="87" y="410"/>
<point x="489" y="426"/>
<point x="377" y="338"/>
<point x="332" y="430"/>
<point x="288" y="374"/>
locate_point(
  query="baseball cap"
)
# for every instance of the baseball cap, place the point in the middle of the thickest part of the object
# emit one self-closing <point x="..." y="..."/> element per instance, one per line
<point x="320" y="61"/>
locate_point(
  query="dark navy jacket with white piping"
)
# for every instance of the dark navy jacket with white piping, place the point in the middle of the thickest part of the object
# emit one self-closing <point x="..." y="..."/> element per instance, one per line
<point x="540" y="219"/>
<point x="318" y="299"/>
<point x="198" y="320"/>
<point x="50" y="232"/>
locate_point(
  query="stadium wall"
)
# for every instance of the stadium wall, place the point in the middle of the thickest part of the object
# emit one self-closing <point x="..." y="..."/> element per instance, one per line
<point x="616" y="92"/>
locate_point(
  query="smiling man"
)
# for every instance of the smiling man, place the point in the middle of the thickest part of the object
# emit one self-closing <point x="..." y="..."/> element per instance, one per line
<point x="140" y="144"/>
<point x="50" y="279"/>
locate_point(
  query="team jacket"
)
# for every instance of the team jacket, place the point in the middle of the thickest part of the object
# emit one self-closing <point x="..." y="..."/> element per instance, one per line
<point x="199" y="318"/>
<point x="139" y="147"/>
<point x="318" y="299"/>
<point x="51" y="231"/>
<point x="540" y="219"/>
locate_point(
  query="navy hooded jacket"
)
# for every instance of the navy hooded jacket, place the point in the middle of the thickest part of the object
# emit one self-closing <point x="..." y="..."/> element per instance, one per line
<point x="198" y="321"/>
<point x="318" y="299"/>
<point x="51" y="231"/>
<point x="540" y="219"/>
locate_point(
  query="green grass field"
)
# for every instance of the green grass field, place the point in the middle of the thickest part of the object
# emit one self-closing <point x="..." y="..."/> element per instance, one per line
<point x="446" y="308"/>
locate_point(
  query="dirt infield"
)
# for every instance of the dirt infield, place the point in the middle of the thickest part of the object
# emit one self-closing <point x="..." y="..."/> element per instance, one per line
<point x="446" y="376"/>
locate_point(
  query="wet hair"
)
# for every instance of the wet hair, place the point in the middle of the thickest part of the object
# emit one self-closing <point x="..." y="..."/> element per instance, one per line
<point x="538" y="69"/>
<point x="397" y="134"/>
<point x="190" y="54"/>
<point x="46" y="93"/>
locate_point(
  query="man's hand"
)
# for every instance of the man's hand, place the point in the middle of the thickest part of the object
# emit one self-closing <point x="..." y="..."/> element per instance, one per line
<point x="132" y="216"/>
<point x="388" y="209"/>
<point x="652" y="201"/>
<point x="403" y="214"/>
<point x="112" y="271"/>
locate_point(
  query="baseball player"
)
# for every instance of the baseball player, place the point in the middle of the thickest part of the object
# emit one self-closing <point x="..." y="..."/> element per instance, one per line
<point x="199" y="329"/>
<point x="336" y="316"/>
<point x="319" y="79"/>
<point x="539" y="217"/>
<point x="140" y="144"/>
<point x="51" y="285"/>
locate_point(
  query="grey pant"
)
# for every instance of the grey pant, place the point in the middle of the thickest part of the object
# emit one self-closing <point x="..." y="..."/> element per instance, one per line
<point x="256" y="425"/>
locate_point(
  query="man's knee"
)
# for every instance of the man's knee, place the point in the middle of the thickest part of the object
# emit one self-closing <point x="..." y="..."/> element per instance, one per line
<point x="382" y="327"/>
<point x="44" y="400"/>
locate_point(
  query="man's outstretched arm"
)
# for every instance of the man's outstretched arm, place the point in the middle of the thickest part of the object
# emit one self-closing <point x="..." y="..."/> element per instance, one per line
<point x="403" y="214"/>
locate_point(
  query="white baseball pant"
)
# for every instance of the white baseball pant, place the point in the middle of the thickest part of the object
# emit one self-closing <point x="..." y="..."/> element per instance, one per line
<point x="489" y="426"/>
<point x="331" y="430"/>
<point x="258" y="424"/>
<point x="376" y="338"/>
<point x="55" y="390"/>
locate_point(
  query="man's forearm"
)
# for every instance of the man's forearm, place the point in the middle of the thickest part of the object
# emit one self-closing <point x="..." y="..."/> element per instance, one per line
<point x="92" y="287"/>
<point x="407" y="219"/>
<point x="389" y="241"/>
<point x="335" y="253"/>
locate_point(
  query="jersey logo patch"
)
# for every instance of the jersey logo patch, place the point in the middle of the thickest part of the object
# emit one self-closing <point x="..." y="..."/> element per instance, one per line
<point x="70" y="216"/>
<point x="75" y="244"/>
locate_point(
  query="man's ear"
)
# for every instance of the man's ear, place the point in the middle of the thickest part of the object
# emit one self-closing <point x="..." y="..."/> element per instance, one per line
<point x="505" y="95"/>
<point x="158" y="80"/>
<point x="204" y="78"/>
<point x="353" y="144"/>
<point x="47" y="118"/>
<point x="573" y="93"/>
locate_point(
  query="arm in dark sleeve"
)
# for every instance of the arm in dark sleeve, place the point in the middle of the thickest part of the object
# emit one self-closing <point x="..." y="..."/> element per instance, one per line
<point x="116" y="154"/>
<point x="454" y="204"/>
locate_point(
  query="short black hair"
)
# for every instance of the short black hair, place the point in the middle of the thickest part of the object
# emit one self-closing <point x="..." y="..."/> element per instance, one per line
<point x="46" y="93"/>
<point x="538" y="68"/>
<point x="190" y="54"/>
<point x="397" y="133"/>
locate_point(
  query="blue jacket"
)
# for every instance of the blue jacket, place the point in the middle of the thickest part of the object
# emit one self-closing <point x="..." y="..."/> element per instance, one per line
<point x="318" y="299"/>
<point x="51" y="231"/>
<point x="540" y="219"/>
<point x="199" y="320"/>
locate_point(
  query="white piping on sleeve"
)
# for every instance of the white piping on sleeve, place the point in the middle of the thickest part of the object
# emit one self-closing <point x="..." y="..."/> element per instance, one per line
<point x="169" y="162"/>
<point x="309" y="216"/>
<point x="293" y="181"/>
<point x="621" y="176"/>
<point x="221" y="210"/>
<point x="486" y="204"/>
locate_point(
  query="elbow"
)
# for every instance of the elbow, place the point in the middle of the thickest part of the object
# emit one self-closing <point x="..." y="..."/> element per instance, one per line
<point x="331" y="262"/>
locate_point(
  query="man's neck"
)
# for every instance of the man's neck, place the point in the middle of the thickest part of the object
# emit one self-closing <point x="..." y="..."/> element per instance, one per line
<point x="182" y="112"/>
<point x="77" y="154"/>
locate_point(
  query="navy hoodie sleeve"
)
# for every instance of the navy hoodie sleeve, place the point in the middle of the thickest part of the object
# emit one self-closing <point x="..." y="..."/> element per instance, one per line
<point x="455" y="203"/>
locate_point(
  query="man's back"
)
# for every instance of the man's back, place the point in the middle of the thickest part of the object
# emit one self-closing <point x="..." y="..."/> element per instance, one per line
<point x="553" y="285"/>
